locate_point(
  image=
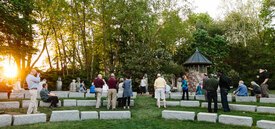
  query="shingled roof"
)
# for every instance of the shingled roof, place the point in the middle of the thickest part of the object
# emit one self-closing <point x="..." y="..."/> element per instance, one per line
<point x="197" y="59"/>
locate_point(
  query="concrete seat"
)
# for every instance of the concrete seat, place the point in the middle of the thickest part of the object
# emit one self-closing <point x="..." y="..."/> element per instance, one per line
<point x="65" y="115"/>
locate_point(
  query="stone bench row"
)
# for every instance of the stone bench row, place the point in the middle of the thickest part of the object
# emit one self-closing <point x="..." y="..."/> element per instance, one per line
<point x="66" y="115"/>
<point x="60" y="94"/>
<point x="214" y="118"/>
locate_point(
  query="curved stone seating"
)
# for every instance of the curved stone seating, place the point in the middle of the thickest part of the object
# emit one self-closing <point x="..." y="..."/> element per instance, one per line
<point x="132" y="103"/>
<point x="205" y="105"/>
<point x="61" y="94"/>
<point x="236" y="120"/>
<point x="87" y="115"/>
<point x="69" y="102"/>
<point x="9" y="104"/>
<point x="17" y="96"/>
<point x="44" y="104"/>
<point x="86" y="102"/>
<point x="266" y="124"/>
<point x="3" y="95"/>
<point x="237" y="107"/>
<point x="27" y="95"/>
<point x="179" y="115"/>
<point x="246" y="99"/>
<point x="208" y="117"/>
<point x="200" y="97"/>
<point x="65" y="115"/>
<point x="170" y="103"/>
<point x="189" y="103"/>
<point x="229" y="98"/>
<point x="5" y="120"/>
<point x="76" y="95"/>
<point x="29" y="119"/>
<point x="90" y="95"/>
<point x="263" y="109"/>
<point x="267" y="100"/>
<point x="115" y="114"/>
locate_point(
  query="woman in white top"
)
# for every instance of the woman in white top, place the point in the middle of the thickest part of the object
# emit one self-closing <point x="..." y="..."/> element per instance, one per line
<point x="120" y="88"/>
<point x="143" y="84"/>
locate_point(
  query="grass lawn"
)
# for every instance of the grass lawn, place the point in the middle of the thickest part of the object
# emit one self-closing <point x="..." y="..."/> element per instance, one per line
<point x="145" y="115"/>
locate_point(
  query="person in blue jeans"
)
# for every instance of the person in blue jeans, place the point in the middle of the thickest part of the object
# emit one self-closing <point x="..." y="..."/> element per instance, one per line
<point x="241" y="90"/>
<point x="224" y="88"/>
<point x="184" y="86"/>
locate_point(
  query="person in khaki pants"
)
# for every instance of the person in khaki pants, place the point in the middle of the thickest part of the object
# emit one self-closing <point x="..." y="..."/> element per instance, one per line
<point x="33" y="83"/>
<point x="98" y="82"/>
<point x="112" y="92"/>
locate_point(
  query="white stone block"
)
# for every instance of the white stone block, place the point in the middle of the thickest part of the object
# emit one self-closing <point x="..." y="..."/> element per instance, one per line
<point x="104" y="94"/>
<point x="86" y="102"/>
<point x="47" y="104"/>
<point x="119" y="94"/>
<point x="9" y="105"/>
<point x="132" y="103"/>
<point x="190" y="103"/>
<point x="176" y="96"/>
<point x="25" y="103"/>
<point x="86" y="115"/>
<point x="263" y="109"/>
<point x="90" y="95"/>
<point x="179" y="115"/>
<point x="115" y="114"/>
<point x="200" y="97"/>
<point x="266" y="124"/>
<point x="5" y="120"/>
<point x="229" y="98"/>
<point x="27" y="95"/>
<point x="246" y="99"/>
<point x="236" y="120"/>
<point x="205" y="105"/>
<point x="170" y="103"/>
<point x="271" y="95"/>
<point x="237" y="107"/>
<point x="69" y="102"/>
<point x="65" y="115"/>
<point x="267" y="100"/>
<point x="17" y="96"/>
<point x="76" y="95"/>
<point x="3" y="95"/>
<point x="134" y="95"/>
<point x="208" y="117"/>
<point x="61" y="94"/>
<point x="29" y="119"/>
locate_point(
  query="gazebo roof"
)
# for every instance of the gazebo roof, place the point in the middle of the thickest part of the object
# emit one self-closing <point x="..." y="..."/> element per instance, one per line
<point x="197" y="59"/>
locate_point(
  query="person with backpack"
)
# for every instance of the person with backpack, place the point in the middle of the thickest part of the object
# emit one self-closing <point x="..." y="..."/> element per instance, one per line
<point x="224" y="83"/>
<point x="184" y="86"/>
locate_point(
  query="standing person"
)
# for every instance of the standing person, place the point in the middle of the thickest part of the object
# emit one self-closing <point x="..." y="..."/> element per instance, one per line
<point x="241" y="90"/>
<point x="59" y="84"/>
<point x="33" y="80"/>
<point x="185" y="88"/>
<point x="112" y="92"/>
<point x="211" y="86"/>
<point x="127" y="92"/>
<point x="98" y="82"/>
<point x="159" y="87"/>
<point x="73" y="86"/>
<point x="224" y="84"/>
<point x="47" y="96"/>
<point x="143" y="84"/>
<point x="263" y="78"/>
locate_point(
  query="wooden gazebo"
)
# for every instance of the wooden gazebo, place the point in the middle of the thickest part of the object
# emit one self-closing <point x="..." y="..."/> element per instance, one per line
<point x="197" y="62"/>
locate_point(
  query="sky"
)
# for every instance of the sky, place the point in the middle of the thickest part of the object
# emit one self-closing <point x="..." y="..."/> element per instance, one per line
<point x="212" y="7"/>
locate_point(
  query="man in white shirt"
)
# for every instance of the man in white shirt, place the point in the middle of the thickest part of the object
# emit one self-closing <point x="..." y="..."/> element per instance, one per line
<point x="33" y="84"/>
<point x="159" y="87"/>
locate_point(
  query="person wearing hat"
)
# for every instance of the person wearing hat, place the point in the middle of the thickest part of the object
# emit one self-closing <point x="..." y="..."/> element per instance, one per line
<point x="159" y="87"/>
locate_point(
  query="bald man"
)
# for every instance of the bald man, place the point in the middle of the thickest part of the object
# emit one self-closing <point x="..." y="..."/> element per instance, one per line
<point x="33" y="83"/>
<point x="98" y="82"/>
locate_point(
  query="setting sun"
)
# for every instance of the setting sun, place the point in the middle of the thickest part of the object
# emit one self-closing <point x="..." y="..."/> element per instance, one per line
<point x="10" y="70"/>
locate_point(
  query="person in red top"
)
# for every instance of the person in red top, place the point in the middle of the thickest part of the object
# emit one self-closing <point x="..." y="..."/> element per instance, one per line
<point x="112" y="92"/>
<point x="98" y="82"/>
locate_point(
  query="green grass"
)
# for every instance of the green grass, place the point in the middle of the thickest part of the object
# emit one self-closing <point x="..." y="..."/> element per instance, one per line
<point x="145" y="115"/>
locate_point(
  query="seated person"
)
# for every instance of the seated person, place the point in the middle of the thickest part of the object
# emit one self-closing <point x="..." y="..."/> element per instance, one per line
<point x="82" y="88"/>
<point x="255" y="89"/>
<point x="47" y="96"/>
<point x="241" y="90"/>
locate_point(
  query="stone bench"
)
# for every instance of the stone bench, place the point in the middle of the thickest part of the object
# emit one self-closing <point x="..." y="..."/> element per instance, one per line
<point x="246" y="99"/>
<point x="29" y="119"/>
<point x="200" y="97"/>
<point x="190" y="103"/>
<point x="179" y="115"/>
<point x="17" y="96"/>
<point x="27" y="95"/>
<point x="229" y="98"/>
<point x="266" y="124"/>
<point x="61" y="94"/>
<point x="170" y="103"/>
<point x="237" y="107"/>
<point x="208" y="117"/>
<point x="9" y="105"/>
<point x="90" y="95"/>
<point x="25" y="103"/>
<point x="65" y="115"/>
<point x="86" y="102"/>
<point x="104" y="94"/>
<point x="76" y="95"/>
<point x="132" y="103"/>
<point x="267" y="100"/>
<point x="69" y="102"/>
<point x="263" y="109"/>
<point x="3" y="95"/>
<point x="205" y="105"/>
<point x="236" y="120"/>
<point x="47" y="104"/>
<point x="5" y="120"/>
<point x="179" y="96"/>
<point x="87" y="115"/>
<point x="134" y="95"/>
<point x="115" y="114"/>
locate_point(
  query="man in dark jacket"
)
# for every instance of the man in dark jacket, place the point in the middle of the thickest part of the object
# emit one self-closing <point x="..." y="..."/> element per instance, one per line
<point x="211" y="86"/>
<point x="224" y="88"/>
